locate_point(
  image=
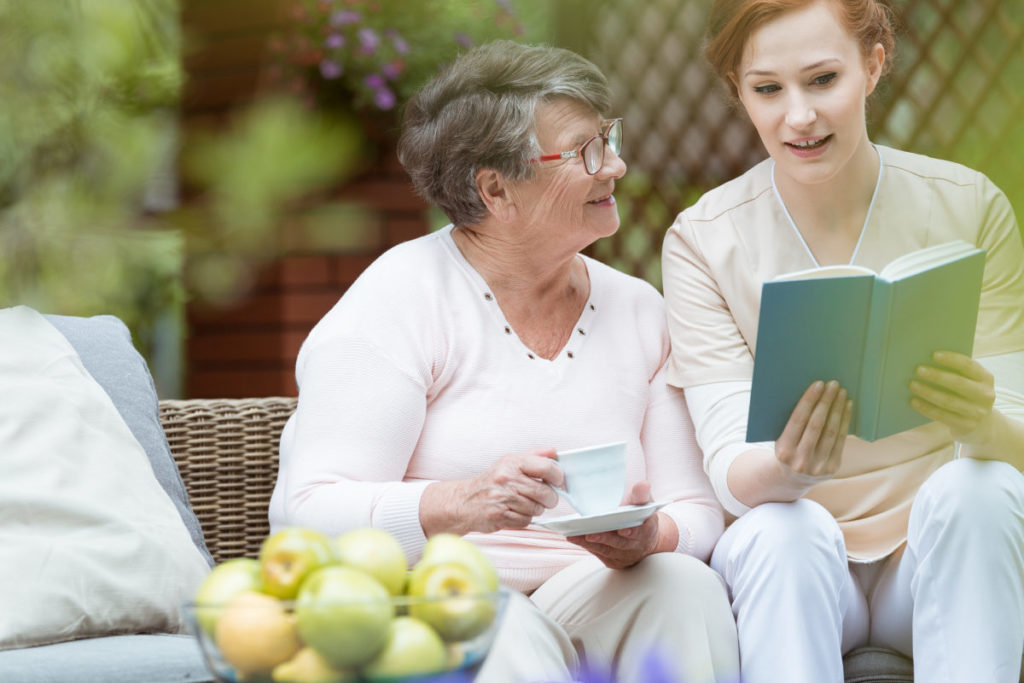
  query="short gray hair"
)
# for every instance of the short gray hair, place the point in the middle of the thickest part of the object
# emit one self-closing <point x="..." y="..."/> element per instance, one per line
<point x="479" y="112"/>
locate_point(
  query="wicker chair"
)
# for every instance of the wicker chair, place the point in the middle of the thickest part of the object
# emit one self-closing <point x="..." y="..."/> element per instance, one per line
<point x="226" y="450"/>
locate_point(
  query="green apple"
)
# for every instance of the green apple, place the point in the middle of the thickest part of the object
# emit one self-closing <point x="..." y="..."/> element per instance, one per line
<point x="375" y="552"/>
<point x="412" y="649"/>
<point x="455" y="601"/>
<point x="255" y="633"/>
<point x="288" y="556"/>
<point x="344" y="613"/>
<point x="453" y="548"/>
<point x="307" y="666"/>
<point x="223" y="583"/>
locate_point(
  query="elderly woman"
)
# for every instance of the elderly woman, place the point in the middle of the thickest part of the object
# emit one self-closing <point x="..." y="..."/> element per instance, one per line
<point x="434" y="395"/>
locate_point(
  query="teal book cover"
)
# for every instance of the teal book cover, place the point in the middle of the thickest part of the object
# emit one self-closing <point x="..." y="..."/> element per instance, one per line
<point x="868" y="331"/>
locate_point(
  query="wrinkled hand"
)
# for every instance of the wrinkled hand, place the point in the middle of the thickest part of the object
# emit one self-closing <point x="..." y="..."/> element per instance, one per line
<point x="958" y="392"/>
<point x="509" y="494"/>
<point x="625" y="547"/>
<point x="812" y="442"/>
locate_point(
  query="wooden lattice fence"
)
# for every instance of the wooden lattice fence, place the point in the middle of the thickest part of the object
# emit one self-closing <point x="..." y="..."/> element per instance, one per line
<point x="956" y="92"/>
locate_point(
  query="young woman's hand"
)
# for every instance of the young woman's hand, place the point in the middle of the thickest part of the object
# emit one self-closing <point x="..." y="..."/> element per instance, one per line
<point x="508" y="495"/>
<point x="812" y="442"/>
<point x="625" y="547"/>
<point x="958" y="392"/>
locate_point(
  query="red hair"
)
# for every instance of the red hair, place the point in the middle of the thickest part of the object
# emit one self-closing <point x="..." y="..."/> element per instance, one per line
<point x="732" y="22"/>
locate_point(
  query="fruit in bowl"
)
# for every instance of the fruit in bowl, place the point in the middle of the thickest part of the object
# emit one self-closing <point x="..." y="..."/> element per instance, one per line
<point x="357" y="615"/>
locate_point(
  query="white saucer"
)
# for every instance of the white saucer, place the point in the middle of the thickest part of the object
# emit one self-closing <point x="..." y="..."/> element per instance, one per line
<point x="620" y="518"/>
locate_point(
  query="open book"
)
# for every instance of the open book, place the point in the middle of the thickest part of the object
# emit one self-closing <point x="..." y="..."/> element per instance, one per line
<point x="867" y="331"/>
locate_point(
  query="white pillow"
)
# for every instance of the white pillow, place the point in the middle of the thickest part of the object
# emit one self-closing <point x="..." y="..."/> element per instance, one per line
<point x="90" y="544"/>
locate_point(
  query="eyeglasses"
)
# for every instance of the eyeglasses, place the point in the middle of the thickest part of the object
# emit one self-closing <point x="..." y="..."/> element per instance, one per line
<point x="592" y="151"/>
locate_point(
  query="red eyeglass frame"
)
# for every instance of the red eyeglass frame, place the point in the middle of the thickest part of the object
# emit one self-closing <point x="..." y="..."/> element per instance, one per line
<point x="606" y="127"/>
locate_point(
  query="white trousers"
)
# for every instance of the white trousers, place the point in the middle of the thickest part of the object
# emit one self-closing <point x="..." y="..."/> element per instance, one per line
<point x="666" y="619"/>
<point x="952" y="597"/>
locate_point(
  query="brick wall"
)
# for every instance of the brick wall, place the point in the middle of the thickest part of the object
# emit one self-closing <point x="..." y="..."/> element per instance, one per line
<point x="249" y="348"/>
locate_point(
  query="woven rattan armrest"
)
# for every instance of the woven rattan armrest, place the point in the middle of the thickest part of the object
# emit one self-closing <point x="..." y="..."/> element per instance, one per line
<point x="226" y="451"/>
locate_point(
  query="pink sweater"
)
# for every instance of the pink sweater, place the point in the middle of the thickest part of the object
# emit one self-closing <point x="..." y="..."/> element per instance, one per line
<point x="415" y="376"/>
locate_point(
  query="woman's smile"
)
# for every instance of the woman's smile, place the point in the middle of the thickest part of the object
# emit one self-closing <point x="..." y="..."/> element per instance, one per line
<point x="809" y="148"/>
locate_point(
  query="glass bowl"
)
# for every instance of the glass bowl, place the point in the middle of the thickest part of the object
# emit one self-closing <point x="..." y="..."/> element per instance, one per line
<point x="260" y="639"/>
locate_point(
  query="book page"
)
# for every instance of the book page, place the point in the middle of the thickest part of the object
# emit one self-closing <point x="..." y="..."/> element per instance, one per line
<point x="825" y="271"/>
<point x="923" y="259"/>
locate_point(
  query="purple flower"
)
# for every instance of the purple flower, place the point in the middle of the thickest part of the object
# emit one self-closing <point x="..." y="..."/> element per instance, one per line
<point x="384" y="98"/>
<point x="391" y="70"/>
<point x="343" y="17"/>
<point x="334" y="41"/>
<point x="656" y="669"/>
<point x="463" y="40"/>
<point x="330" y="69"/>
<point x="589" y="673"/>
<point x="401" y="47"/>
<point x="368" y="41"/>
<point x="374" y="81"/>
<point x="505" y="5"/>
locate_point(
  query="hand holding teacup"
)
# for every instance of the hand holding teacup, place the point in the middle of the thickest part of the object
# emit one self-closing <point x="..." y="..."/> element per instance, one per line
<point x="625" y="547"/>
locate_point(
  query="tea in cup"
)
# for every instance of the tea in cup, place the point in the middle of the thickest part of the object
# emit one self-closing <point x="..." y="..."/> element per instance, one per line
<point x="595" y="477"/>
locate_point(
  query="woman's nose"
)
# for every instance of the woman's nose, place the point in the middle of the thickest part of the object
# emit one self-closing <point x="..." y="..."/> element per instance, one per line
<point x="800" y="114"/>
<point x="613" y="166"/>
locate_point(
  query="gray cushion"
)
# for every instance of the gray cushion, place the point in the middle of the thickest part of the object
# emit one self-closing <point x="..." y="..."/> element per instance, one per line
<point x="877" y="665"/>
<point x="113" y="659"/>
<point x="105" y="346"/>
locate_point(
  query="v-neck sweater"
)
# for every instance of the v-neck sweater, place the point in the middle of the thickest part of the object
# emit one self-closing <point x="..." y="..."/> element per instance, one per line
<point x="416" y="376"/>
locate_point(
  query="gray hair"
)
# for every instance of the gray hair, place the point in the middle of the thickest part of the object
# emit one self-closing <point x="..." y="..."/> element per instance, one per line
<point x="479" y="112"/>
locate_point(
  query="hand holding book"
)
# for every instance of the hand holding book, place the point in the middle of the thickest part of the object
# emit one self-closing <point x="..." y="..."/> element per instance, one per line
<point x="812" y="442"/>
<point x="958" y="392"/>
<point x="867" y="331"/>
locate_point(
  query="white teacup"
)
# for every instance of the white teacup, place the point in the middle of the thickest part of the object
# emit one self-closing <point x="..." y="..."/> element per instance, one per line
<point x="595" y="477"/>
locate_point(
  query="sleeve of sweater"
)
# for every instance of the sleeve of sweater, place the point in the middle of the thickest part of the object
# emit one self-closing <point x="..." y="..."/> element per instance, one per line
<point x="719" y="411"/>
<point x="675" y="470"/>
<point x="347" y="447"/>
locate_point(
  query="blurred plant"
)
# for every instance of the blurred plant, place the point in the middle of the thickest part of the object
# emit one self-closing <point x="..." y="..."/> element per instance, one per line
<point x="273" y="156"/>
<point x="654" y="668"/>
<point x="76" y="152"/>
<point x="371" y="55"/>
<point x="88" y="88"/>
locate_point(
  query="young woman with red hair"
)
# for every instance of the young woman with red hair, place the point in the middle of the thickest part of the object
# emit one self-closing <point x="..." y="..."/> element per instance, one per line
<point x="913" y="542"/>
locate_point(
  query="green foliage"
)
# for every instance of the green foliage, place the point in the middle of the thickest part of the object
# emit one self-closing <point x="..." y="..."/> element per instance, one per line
<point x="76" y="153"/>
<point x="275" y="153"/>
<point x="88" y="127"/>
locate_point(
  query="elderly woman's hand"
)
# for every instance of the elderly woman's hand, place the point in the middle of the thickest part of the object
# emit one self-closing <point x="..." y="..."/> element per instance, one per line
<point x="958" y="392"/>
<point x="508" y="495"/>
<point x="625" y="547"/>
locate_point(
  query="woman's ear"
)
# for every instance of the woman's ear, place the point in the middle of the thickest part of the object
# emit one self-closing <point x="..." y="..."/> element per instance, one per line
<point x="874" y="63"/>
<point x="496" y="194"/>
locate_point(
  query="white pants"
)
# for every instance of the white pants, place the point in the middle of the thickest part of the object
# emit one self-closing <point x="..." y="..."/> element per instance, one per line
<point x="666" y="619"/>
<point x="952" y="597"/>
